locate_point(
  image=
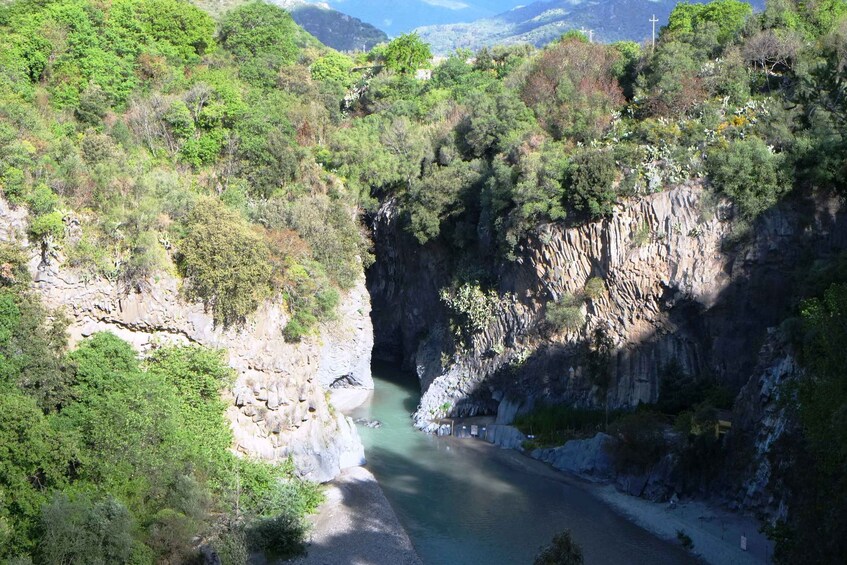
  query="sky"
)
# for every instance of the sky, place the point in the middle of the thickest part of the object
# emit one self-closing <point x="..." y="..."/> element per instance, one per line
<point x="401" y="16"/>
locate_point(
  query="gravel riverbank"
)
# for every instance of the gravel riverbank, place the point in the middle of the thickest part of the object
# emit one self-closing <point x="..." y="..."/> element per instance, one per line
<point x="357" y="526"/>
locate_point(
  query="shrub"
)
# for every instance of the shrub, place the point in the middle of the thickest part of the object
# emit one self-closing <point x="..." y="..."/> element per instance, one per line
<point x="595" y="287"/>
<point x="225" y="262"/>
<point x="592" y="177"/>
<point x="565" y="313"/>
<point x="310" y="295"/>
<point x="640" y="441"/>
<point x="553" y="425"/>
<point x="48" y="226"/>
<point x="12" y="265"/>
<point x="750" y="173"/>
<point x="280" y="536"/>
<point x="79" y="530"/>
<point x="685" y="540"/>
<point x="472" y="308"/>
<point x="563" y="551"/>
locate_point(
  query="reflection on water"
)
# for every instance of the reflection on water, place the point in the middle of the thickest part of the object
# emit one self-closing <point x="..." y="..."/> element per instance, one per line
<point x="464" y="502"/>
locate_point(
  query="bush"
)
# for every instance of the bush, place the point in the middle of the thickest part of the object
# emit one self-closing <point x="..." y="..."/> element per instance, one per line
<point x="47" y="227"/>
<point x="563" y="551"/>
<point x="592" y="177"/>
<point x="280" y="537"/>
<point x="685" y="540"/>
<point x="595" y="287"/>
<point x="79" y="530"/>
<point x="554" y="425"/>
<point x="640" y="441"/>
<point x="750" y="173"/>
<point x="310" y="295"/>
<point x="472" y="308"/>
<point x="565" y="313"/>
<point x="226" y="264"/>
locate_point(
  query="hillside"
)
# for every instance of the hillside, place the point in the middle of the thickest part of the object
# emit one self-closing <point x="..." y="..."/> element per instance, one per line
<point x="335" y="29"/>
<point x="541" y="22"/>
<point x="206" y="224"/>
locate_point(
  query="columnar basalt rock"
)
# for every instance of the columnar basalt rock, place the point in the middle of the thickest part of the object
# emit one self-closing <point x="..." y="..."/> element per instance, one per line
<point x="680" y="287"/>
<point x="279" y="406"/>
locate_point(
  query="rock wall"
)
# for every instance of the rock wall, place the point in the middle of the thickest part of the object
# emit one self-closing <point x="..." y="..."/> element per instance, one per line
<point x="682" y="286"/>
<point x="764" y="417"/>
<point x="279" y="404"/>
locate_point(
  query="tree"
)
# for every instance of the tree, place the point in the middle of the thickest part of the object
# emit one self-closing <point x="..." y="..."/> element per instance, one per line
<point x="750" y="173"/>
<point x="592" y="177"/>
<point x="225" y="262"/>
<point x="728" y="15"/>
<point x="407" y="53"/>
<point x="572" y="87"/>
<point x="262" y="38"/>
<point x="563" y="551"/>
<point x="79" y="530"/>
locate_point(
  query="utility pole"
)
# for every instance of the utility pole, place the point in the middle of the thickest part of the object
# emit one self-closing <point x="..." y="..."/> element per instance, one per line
<point x="653" y="20"/>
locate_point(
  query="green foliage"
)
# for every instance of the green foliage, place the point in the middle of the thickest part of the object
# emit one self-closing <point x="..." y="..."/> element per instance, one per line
<point x="79" y="530"/>
<point x="563" y="551"/>
<point x="595" y="288"/>
<point x="48" y="226"/>
<point x="592" y="176"/>
<point x="262" y="37"/>
<point x="328" y="227"/>
<point x="134" y="462"/>
<point x="471" y="307"/>
<point x="565" y="313"/>
<point x="311" y="298"/>
<point x="439" y="196"/>
<point x="750" y="173"/>
<point x="31" y="347"/>
<point x="333" y="68"/>
<point x="640" y="442"/>
<point x="573" y="89"/>
<point x="34" y="459"/>
<point x="728" y="15"/>
<point x="555" y="424"/>
<point x="407" y="53"/>
<point x="225" y="262"/>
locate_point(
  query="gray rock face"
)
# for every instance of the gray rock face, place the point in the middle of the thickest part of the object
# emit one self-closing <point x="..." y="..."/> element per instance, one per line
<point x="278" y="403"/>
<point x="507" y="437"/>
<point x="762" y="417"/>
<point x="679" y="288"/>
<point x="586" y="458"/>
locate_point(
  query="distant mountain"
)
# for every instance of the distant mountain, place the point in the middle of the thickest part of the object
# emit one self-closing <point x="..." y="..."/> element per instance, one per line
<point x="400" y="16"/>
<point x="543" y="21"/>
<point x="335" y="29"/>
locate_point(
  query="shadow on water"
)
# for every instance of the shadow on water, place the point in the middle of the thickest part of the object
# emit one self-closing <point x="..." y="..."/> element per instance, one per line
<point x="465" y="502"/>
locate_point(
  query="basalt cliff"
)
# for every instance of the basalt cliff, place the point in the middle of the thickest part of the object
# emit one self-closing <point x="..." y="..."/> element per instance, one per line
<point x="684" y="284"/>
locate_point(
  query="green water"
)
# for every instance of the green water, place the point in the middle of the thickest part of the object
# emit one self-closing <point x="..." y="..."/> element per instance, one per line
<point x="465" y="502"/>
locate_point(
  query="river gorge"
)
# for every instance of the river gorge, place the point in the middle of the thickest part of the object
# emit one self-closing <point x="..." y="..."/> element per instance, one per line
<point x="464" y="502"/>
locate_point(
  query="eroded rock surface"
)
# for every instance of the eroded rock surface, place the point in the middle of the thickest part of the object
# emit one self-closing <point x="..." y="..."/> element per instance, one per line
<point x="279" y="402"/>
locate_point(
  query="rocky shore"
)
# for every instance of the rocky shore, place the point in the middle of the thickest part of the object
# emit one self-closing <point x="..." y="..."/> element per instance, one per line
<point x="357" y="526"/>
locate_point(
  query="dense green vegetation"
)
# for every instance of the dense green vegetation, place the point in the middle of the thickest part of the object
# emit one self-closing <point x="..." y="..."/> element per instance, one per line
<point x="493" y="146"/>
<point x="813" y="468"/>
<point x="145" y="139"/>
<point x="106" y="459"/>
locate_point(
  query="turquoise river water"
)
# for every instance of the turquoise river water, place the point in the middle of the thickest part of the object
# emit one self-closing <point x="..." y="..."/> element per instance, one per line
<point x="466" y="502"/>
